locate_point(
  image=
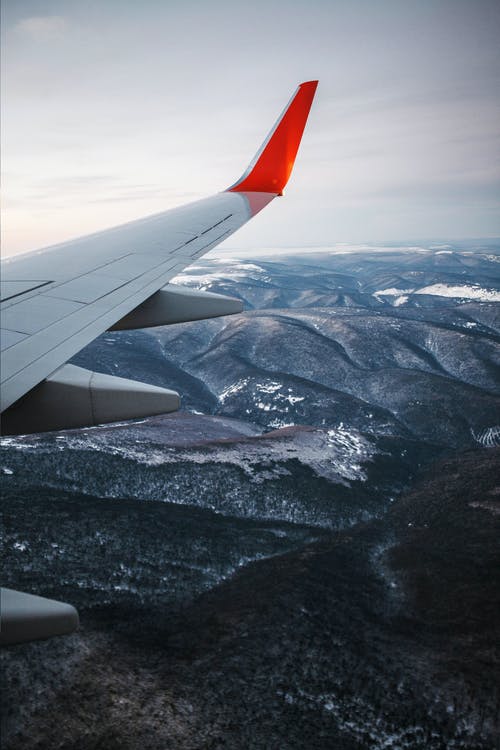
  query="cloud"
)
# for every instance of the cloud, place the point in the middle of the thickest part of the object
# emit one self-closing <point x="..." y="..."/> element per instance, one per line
<point x="42" y="27"/>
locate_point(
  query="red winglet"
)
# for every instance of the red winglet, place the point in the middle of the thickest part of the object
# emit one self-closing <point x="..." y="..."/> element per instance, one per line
<point x="272" y="165"/>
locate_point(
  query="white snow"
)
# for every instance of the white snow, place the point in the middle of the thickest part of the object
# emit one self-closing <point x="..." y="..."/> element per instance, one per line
<point x="234" y="271"/>
<point x="267" y="396"/>
<point x="294" y="399"/>
<point x="278" y="423"/>
<point x="462" y="291"/>
<point x="232" y="389"/>
<point x="273" y="388"/>
<point x="19" y="443"/>
<point x="391" y="292"/>
<point x="489" y="437"/>
<point x="339" y="455"/>
<point x="401" y="300"/>
<point x="270" y="387"/>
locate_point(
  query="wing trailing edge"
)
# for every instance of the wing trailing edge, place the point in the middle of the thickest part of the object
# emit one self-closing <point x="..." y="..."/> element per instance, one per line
<point x="271" y="167"/>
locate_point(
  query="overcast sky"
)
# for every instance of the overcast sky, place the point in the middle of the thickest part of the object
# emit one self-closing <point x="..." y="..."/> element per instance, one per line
<point x="114" y="109"/>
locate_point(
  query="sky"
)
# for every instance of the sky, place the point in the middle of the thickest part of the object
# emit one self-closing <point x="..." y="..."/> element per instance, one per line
<point x="115" y="109"/>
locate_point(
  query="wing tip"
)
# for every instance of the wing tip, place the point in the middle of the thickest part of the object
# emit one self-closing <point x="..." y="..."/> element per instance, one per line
<point x="271" y="167"/>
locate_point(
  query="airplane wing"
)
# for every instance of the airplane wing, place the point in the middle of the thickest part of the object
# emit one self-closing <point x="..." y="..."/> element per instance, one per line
<point x="57" y="300"/>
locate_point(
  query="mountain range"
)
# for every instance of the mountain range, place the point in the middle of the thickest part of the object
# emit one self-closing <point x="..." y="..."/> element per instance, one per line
<point x="306" y="555"/>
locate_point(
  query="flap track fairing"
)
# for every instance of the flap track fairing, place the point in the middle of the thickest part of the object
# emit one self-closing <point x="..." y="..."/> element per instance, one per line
<point x="75" y="397"/>
<point x="177" y="304"/>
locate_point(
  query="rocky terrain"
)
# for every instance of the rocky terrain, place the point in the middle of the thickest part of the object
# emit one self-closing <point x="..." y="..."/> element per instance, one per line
<point x="314" y="564"/>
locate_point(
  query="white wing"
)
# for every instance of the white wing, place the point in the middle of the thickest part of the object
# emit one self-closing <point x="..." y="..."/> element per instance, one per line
<point x="57" y="300"/>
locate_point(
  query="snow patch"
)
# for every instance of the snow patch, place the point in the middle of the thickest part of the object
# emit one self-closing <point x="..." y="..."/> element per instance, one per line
<point x="232" y="389"/>
<point x="489" y="437"/>
<point x="401" y="300"/>
<point x="391" y="292"/>
<point x="270" y="387"/>
<point x="236" y="271"/>
<point x="339" y="454"/>
<point x="462" y="291"/>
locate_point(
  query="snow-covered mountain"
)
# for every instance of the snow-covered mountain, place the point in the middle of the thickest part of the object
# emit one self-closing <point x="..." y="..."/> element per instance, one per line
<point x="306" y="556"/>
